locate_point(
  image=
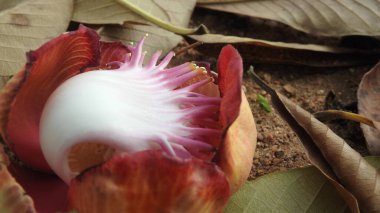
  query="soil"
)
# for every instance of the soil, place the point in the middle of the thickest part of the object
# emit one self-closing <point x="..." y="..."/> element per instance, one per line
<point x="314" y="89"/>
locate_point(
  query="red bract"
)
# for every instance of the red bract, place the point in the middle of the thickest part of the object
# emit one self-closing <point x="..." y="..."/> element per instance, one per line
<point x="141" y="137"/>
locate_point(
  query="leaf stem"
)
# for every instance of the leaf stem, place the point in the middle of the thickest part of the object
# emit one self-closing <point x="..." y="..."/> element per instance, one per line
<point x="332" y="114"/>
<point x="154" y="20"/>
<point x="191" y="46"/>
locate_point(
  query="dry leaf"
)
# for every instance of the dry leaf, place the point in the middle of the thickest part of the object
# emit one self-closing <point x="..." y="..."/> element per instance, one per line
<point x="345" y="167"/>
<point x="25" y="26"/>
<point x="298" y="190"/>
<point x="262" y="51"/>
<point x="369" y="106"/>
<point x="332" y="114"/>
<point x="176" y="12"/>
<point x="321" y="17"/>
<point x="216" y="1"/>
<point x="158" y="39"/>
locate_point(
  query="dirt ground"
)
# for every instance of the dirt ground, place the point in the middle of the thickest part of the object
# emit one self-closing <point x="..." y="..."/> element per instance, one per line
<point x="314" y="89"/>
<point x="278" y="147"/>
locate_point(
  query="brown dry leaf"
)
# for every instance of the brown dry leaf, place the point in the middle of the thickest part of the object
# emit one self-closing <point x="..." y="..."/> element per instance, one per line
<point x="25" y="25"/>
<point x="369" y="106"/>
<point x="12" y="195"/>
<point x="262" y="51"/>
<point x="158" y="39"/>
<point x="332" y="114"/>
<point x="350" y="173"/>
<point x="176" y="12"/>
<point x="217" y="1"/>
<point x="321" y="17"/>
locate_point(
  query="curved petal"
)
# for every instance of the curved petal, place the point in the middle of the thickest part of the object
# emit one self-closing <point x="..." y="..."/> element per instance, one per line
<point x="49" y="193"/>
<point x="12" y="196"/>
<point x="24" y="97"/>
<point x="230" y="74"/>
<point x="111" y="53"/>
<point x="236" y="152"/>
<point x="150" y="181"/>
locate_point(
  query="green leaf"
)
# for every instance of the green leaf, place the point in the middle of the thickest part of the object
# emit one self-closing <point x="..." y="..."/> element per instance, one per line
<point x="296" y="190"/>
<point x="263" y="102"/>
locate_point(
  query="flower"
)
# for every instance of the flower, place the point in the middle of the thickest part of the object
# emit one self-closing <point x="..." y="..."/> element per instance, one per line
<point x="127" y="135"/>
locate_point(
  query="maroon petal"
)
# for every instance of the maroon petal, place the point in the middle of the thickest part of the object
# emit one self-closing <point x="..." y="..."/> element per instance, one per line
<point x="150" y="181"/>
<point x="230" y="74"/>
<point x="112" y="52"/>
<point x="12" y="195"/>
<point x="237" y="149"/>
<point x="111" y="55"/>
<point x="24" y="97"/>
<point x="49" y="193"/>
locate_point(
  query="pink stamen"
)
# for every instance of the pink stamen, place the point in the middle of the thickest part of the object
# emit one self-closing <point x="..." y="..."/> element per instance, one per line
<point x="192" y="87"/>
<point x="199" y="100"/>
<point x="153" y="60"/>
<point x="165" y="145"/>
<point x="200" y="110"/>
<point x="177" y="82"/>
<point x="199" y="113"/>
<point x="142" y="59"/>
<point x="177" y="71"/>
<point x="165" y="61"/>
<point x="191" y="143"/>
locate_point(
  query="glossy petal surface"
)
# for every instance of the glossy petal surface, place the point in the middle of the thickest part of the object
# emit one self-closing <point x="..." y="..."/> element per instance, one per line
<point x="150" y="181"/>
<point x="236" y="152"/>
<point x="12" y="196"/>
<point x="47" y="67"/>
<point x="49" y="193"/>
<point x="110" y="54"/>
<point x="230" y="76"/>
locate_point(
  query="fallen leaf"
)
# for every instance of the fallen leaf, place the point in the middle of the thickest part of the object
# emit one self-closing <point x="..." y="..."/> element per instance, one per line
<point x="167" y="14"/>
<point x="332" y="114"/>
<point x="158" y="39"/>
<point x="296" y="190"/>
<point x="26" y="26"/>
<point x="369" y="105"/>
<point x="216" y="1"/>
<point x="342" y="165"/>
<point x="262" y="51"/>
<point x="321" y="17"/>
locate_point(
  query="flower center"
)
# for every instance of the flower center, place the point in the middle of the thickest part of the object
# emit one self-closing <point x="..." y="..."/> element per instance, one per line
<point x="129" y="109"/>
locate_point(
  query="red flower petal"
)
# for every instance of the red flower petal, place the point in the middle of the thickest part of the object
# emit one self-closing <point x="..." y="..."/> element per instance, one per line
<point x="47" y="67"/>
<point x="12" y="195"/>
<point x="237" y="149"/>
<point x="150" y="181"/>
<point x="49" y="193"/>
<point x="235" y="155"/>
<point x="230" y="74"/>
<point x="112" y="51"/>
<point x="110" y="54"/>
